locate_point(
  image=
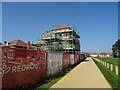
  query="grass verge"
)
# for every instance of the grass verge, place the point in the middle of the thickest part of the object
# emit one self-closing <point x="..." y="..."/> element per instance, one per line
<point x="110" y="76"/>
<point x="113" y="61"/>
<point x="51" y="81"/>
<point x="48" y="84"/>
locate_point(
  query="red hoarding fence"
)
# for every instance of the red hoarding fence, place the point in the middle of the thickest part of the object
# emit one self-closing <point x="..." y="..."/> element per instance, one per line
<point x="22" y="67"/>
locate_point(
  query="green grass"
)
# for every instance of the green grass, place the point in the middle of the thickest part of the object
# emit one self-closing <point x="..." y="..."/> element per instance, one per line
<point x="110" y="76"/>
<point x="113" y="61"/>
<point x="44" y="85"/>
<point x="48" y="84"/>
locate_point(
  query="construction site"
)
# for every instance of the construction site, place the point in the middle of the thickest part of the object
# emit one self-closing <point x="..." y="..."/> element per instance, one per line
<point x="25" y="64"/>
<point x="60" y="39"/>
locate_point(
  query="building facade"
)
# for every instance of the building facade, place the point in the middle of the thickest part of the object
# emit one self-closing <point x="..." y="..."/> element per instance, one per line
<point x="62" y="38"/>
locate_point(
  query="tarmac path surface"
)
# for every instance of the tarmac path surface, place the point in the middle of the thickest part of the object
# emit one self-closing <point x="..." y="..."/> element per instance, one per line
<point x="84" y="75"/>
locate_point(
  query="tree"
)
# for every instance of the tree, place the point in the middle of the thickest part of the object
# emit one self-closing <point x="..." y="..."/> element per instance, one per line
<point x="116" y="49"/>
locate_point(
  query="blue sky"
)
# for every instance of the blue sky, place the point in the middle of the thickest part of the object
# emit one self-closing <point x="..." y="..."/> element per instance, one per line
<point x="96" y="23"/>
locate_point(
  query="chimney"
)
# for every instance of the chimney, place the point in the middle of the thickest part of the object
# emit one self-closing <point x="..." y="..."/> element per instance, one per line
<point x="28" y="45"/>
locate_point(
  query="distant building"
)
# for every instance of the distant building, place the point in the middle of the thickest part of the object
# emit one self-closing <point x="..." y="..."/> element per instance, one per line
<point x="18" y="44"/>
<point x="62" y="38"/>
<point x="86" y="54"/>
<point x="105" y="55"/>
<point x="94" y="54"/>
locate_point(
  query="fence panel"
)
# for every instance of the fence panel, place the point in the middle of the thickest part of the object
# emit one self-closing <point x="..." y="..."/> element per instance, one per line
<point x="76" y="59"/>
<point x="8" y="55"/>
<point x="18" y="73"/>
<point x="54" y="63"/>
<point x="82" y="57"/>
<point x="0" y="69"/>
<point x="66" y="60"/>
<point x="71" y="59"/>
<point x="20" y="55"/>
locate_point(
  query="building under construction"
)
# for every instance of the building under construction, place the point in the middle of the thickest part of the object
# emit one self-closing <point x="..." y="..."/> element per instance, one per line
<point x="60" y="39"/>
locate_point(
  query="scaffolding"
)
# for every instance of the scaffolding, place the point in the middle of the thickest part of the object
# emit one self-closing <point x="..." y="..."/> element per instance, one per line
<point x="62" y="41"/>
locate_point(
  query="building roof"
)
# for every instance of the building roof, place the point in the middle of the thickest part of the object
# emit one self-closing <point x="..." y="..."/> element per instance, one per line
<point x="102" y="53"/>
<point x="17" y="43"/>
<point x="105" y="53"/>
<point x="62" y="26"/>
<point x="108" y="53"/>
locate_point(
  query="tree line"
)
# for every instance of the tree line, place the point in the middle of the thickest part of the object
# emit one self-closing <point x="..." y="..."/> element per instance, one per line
<point x="116" y="49"/>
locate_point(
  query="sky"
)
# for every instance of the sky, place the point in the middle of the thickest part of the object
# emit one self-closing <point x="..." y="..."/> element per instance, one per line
<point x="96" y="23"/>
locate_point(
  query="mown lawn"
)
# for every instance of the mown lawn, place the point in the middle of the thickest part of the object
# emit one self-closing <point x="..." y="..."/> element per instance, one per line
<point x="113" y="61"/>
<point x="110" y="76"/>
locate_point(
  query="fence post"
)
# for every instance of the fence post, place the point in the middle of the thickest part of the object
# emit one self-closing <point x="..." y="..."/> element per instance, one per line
<point x="107" y="65"/>
<point x="111" y="67"/>
<point x="116" y="69"/>
<point x="97" y="60"/>
<point x="103" y="62"/>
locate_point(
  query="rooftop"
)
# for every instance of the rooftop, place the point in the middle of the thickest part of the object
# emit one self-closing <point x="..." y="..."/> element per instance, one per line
<point x="62" y="26"/>
<point x="17" y="43"/>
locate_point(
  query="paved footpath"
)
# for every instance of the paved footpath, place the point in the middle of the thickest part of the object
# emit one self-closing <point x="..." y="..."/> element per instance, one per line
<point x="84" y="75"/>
